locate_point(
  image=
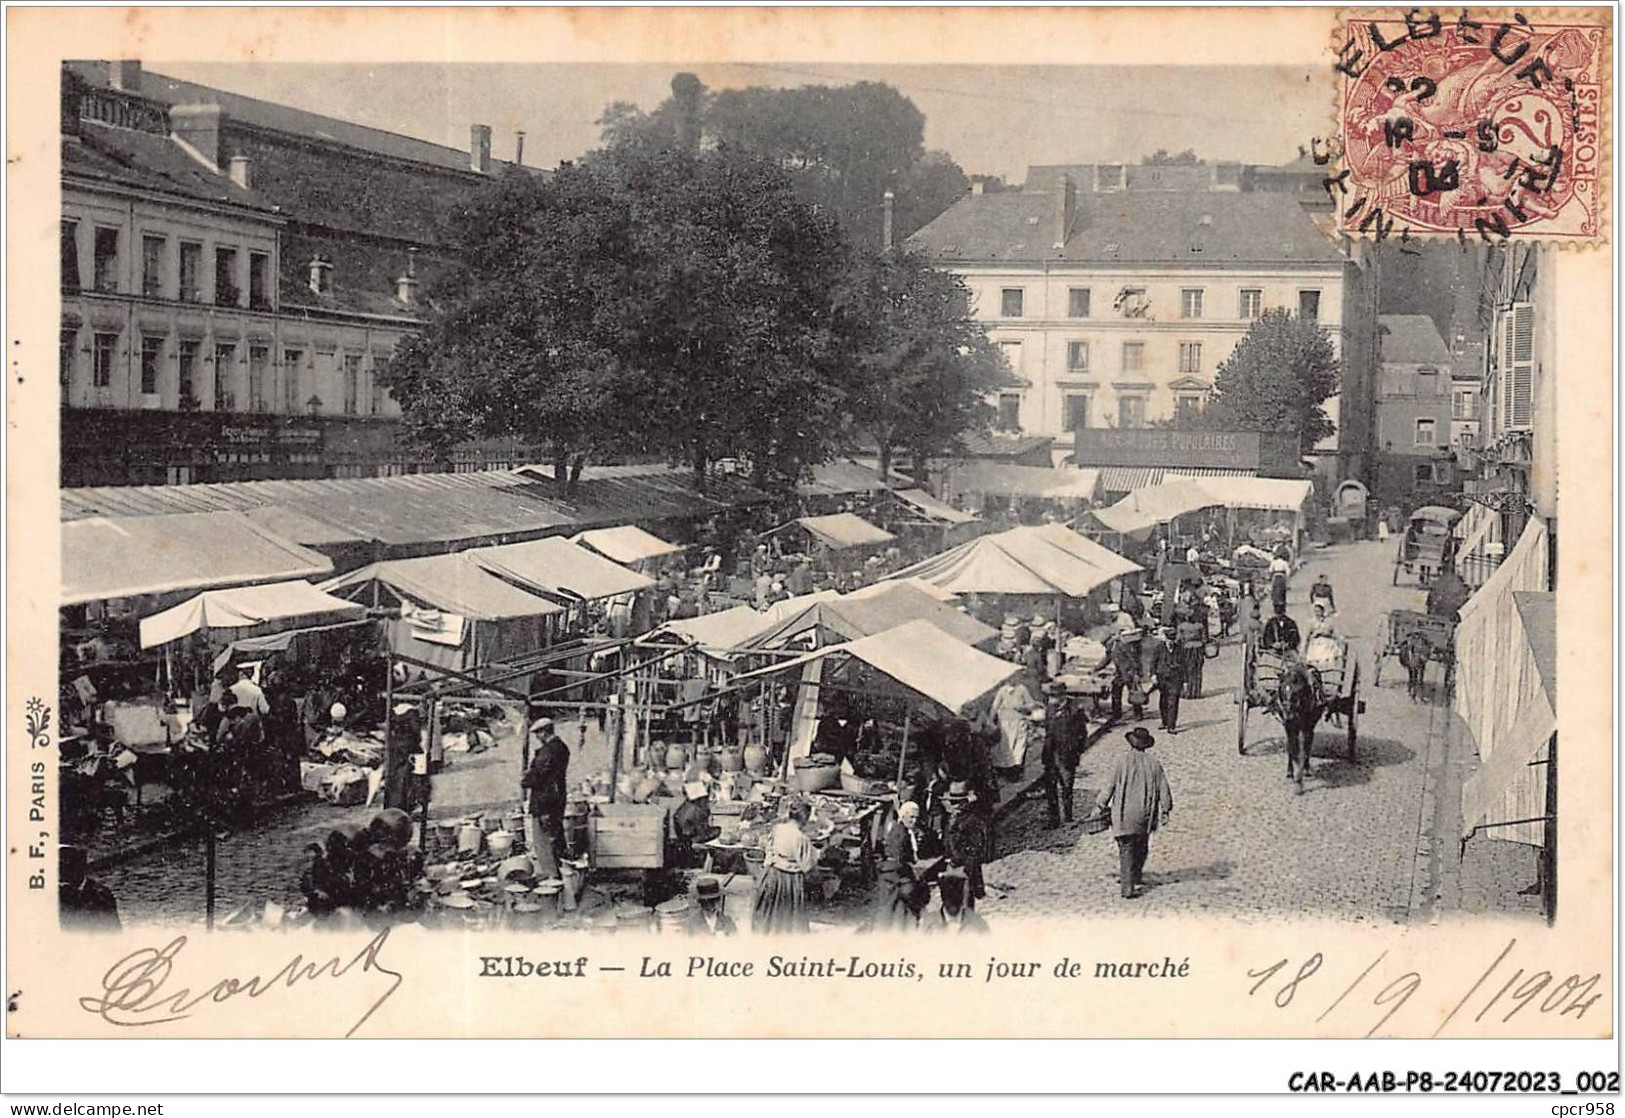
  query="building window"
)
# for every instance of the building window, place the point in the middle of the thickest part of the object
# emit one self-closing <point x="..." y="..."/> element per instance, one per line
<point x="1011" y="301"/>
<point x="1186" y="408"/>
<point x="1009" y="411"/>
<point x="1426" y="432"/>
<point x="191" y="272"/>
<point x="1463" y="408"/>
<point x="1012" y="354"/>
<point x="1131" y="411"/>
<point x="179" y="475"/>
<point x="1190" y="302"/>
<point x="1424" y="473"/>
<point x="1074" y="411"/>
<point x="1077" y="302"/>
<point x="259" y="364"/>
<point x="352" y="382"/>
<point x="152" y="353"/>
<point x="152" y="265"/>
<point x="187" y="373"/>
<point x="376" y="388"/>
<point x="1133" y="356"/>
<point x="259" y="280"/>
<point x="103" y="349"/>
<point x="225" y="355"/>
<point x="1252" y="302"/>
<point x="1190" y="357"/>
<point x="106" y="260"/>
<point x="67" y="347"/>
<point x="1077" y="357"/>
<point x="292" y="361"/>
<point x="226" y="293"/>
<point x="1309" y="306"/>
<point x="70" y="256"/>
<point x="1133" y="302"/>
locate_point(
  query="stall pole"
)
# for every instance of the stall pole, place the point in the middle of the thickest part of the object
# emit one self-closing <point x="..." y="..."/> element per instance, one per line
<point x="428" y="780"/>
<point x="902" y="753"/>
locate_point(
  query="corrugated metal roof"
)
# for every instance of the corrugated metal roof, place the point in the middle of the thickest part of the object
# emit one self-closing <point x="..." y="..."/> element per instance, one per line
<point x="837" y="479"/>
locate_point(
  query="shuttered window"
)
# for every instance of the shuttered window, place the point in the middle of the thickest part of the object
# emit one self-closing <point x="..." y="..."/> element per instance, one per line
<point x="1516" y="375"/>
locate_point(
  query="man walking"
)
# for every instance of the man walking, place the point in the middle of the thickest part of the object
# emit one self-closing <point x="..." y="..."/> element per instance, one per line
<point x="1139" y="800"/>
<point x="545" y="781"/>
<point x="1168" y="665"/>
<point x="1065" y="726"/>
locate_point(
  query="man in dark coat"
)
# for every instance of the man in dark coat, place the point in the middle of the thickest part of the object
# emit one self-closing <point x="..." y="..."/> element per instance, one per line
<point x="903" y="890"/>
<point x="691" y="823"/>
<point x="545" y="780"/>
<point x="1168" y="665"/>
<point x="1065" y="728"/>
<point x="707" y="917"/>
<point x="968" y="838"/>
<point x="83" y="903"/>
<point x="402" y="744"/>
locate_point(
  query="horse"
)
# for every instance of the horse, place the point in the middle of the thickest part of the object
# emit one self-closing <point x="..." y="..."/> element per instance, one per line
<point x="1414" y="655"/>
<point x="1297" y="703"/>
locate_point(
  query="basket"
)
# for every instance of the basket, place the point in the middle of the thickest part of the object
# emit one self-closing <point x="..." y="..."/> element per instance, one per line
<point x="863" y="786"/>
<point x="1098" y="823"/>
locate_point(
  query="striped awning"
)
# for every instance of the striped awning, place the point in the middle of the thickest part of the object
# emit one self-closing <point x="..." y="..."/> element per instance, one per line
<point x="1126" y="479"/>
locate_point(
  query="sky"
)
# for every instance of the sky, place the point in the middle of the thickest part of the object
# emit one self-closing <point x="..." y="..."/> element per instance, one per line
<point x="991" y="119"/>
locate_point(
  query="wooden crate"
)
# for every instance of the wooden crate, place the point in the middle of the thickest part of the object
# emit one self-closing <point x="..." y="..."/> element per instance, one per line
<point x="628" y="836"/>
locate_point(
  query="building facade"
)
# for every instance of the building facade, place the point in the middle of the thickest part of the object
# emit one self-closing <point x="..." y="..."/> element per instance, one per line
<point x="1116" y="292"/>
<point x="235" y="276"/>
<point x="1414" y="461"/>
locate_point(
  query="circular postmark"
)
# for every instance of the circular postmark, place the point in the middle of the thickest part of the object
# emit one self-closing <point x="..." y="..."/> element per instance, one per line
<point x="1469" y="127"/>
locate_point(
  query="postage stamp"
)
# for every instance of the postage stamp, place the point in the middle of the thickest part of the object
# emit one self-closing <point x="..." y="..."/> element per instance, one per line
<point x="1483" y="126"/>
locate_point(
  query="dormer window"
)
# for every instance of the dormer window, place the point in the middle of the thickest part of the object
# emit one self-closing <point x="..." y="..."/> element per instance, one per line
<point x="321" y="276"/>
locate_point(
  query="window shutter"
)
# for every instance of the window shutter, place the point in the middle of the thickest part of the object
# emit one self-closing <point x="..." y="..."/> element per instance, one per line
<point x="1519" y="358"/>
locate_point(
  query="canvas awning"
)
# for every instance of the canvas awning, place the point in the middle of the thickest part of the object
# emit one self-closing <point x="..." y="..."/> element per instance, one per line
<point x="1048" y="559"/>
<point x="1503" y="694"/>
<point x="1003" y="479"/>
<point x="949" y="673"/>
<point x="850" y="617"/>
<point x="843" y="530"/>
<point x="1273" y="494"/>
<point x="451" y="583"/>
<point x="923" y="502"/>
<point x="278" y="604"/>
<point x="105" y="558"/>
<point x="558" y="568"/>
<point x="626" y="544"/>
<point x="1144" y="509"/>
<point x="732" y="629"/>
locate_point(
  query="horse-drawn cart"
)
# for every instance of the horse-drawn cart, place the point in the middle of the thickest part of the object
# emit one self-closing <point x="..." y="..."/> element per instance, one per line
<point x="1425" y="546"/>
<point x="1419" y="639"/>
<point x="1299" y="695"/>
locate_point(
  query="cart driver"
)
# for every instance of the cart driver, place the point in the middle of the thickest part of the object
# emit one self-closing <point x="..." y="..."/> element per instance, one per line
<point x="1281" y="632"/>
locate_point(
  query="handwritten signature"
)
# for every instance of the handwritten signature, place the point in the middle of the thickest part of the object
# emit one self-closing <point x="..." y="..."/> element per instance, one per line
<point x="135" y="989"/>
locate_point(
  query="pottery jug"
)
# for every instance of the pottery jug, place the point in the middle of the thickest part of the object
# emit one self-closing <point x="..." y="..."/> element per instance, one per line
<point x="469" y="837"/>
<point x="755" y="759"/>
<point x="676" y="757"/>
<point x="730" y="760"/>
<point x="500" y="843"/>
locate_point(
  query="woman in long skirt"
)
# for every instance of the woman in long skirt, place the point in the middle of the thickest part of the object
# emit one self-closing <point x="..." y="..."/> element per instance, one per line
<point x="781" y="897"/>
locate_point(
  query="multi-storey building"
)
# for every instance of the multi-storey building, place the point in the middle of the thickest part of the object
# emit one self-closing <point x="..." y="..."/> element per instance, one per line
<point x="1414" y="461"/>
<point x="1116" y="291"/>
<point x="235" y="274"/>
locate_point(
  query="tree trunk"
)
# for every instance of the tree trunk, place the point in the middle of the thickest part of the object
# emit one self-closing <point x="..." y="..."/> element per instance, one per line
<point x="885" y="462"/>
<point x="577" y="464"/>
<point x="561" y="464"/>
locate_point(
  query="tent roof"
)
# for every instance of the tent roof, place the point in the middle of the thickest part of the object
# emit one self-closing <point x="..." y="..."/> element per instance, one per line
<point x="244" y="607"/>
<point x="896" y="603"/>
<point x="844" y="529"/>
<point x="735" y="628"/>
<point x="922" y="501"/>
<point x="1237" y="492"/>
<point x="129" y="556"/>
<point x="1049" y="559"/>
<point x="453" y="583"/>
<point x="1156" y="504"/>
<point x="558" y="567"/>
<point x="626" y="544"/>
<point x="1009" y="480"/>
<point x="948" y="672"/>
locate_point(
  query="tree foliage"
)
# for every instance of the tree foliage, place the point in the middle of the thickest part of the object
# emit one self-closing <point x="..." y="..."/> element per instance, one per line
<point x="1161" y="158"/>
<point x="1276" y="379"/>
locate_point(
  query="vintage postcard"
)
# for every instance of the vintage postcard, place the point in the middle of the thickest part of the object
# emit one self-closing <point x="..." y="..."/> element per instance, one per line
<point x="813" y="523"/>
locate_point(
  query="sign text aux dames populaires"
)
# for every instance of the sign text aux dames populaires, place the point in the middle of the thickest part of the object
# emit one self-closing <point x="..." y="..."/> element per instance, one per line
<point x="1099" y="446"/>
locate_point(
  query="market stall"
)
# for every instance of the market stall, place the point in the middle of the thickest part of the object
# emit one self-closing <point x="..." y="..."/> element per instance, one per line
<point x="833" y="619"/>
<point x="628" y="545"/>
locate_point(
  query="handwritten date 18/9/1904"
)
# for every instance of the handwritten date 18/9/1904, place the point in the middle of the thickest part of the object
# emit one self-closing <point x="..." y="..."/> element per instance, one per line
<point x="1500" y="993"/>
<point x="137" y="990"/>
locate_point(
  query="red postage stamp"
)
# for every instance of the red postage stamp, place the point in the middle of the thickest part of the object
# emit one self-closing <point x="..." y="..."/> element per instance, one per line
<point x="1474" y="125"/>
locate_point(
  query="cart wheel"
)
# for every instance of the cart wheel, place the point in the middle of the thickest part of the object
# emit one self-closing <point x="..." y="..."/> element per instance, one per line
<point x="1354" y="709"/>
<point x="1241" y="724"/>
<point x="1396" y="574"/>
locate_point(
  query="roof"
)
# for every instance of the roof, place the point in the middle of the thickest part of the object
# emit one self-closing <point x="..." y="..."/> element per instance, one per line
<point x="734" y="628"/>
<point x="558" y="568"/>
<point x="150" y="162"/>
<point x="923" y="502"/>
<point x="996" y="444"/>
<point x="106" y="558"/>
<point x="1144" y="509"/>
<point x="1412" y="339"/>
<point x="836" y="479"/>
<point x="844" y="529"/>
<point x="1126" y="479"/>
<point x="1161" y="228"/>
<point x="284" y="118"/>
<point x="453" y="583"/>
<point x="1538" y="610"/>
<point x="626" y="544"/>
<point x="893" y="604"/>
<point x="248" y="607"/>
<point x="1270" y="493"/>
<point x="947" y="672"/>
<point x="1048" y="559"/>
<point x="1004" y="479"/>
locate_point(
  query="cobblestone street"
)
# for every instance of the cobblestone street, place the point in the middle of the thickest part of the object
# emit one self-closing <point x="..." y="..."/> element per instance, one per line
<point x="1373" y="840"/>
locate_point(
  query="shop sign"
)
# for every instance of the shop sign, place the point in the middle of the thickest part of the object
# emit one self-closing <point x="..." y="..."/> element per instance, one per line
<point x="1100" y="446"/>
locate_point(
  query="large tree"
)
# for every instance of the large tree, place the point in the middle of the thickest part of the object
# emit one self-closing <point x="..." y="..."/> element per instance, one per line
<point x="1276" y="379"/>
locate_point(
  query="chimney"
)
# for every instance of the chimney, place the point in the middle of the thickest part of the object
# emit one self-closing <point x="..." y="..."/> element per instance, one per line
<point x="978" y="187"/>
<point x="321" y="275"/>
<point x="1066" y="206"/>
<point x="198" y="127"/>
<point x="479" y="148"/>
<point x="519" y="148"/>
<point x="125" y="74"/>
<point x="685" y="94"/>
<point x="888" y="203"/>
<point x="406" y="287"/>
<point x="241" y="168"/>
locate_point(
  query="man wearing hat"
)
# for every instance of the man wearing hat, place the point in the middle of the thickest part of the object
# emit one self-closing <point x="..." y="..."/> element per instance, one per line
<point x="1065" y="727"/>
<point x="1168" y="666"/>
<point x="707" y="917"/>
<point x="401" y="744"/>
<point x="1138" y="798"/>
<point x="967" y="838"/>
<point x="955" y="917"/>
<point x="545" y="781"/>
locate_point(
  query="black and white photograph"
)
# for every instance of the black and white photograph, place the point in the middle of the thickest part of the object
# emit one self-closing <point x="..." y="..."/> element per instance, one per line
<point x="609" y="505"/>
